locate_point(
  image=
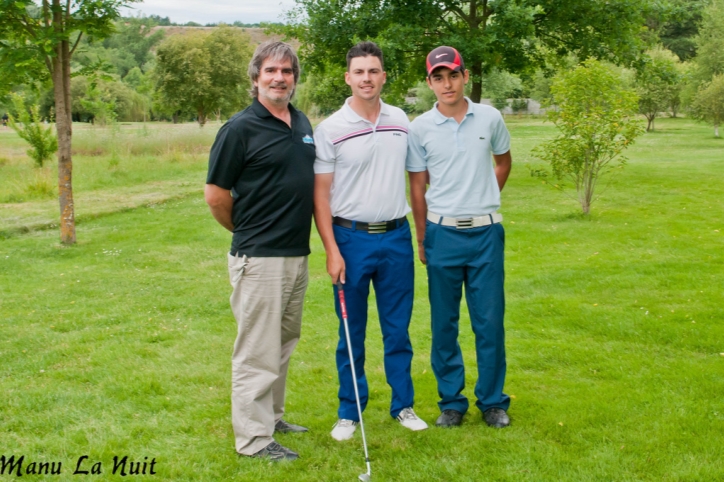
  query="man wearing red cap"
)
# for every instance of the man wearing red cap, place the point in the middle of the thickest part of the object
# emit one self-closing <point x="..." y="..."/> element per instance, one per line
<point x="459" y="234"/>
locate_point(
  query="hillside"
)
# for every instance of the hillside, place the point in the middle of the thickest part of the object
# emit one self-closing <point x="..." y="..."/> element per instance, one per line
<point x="257" y="34"/>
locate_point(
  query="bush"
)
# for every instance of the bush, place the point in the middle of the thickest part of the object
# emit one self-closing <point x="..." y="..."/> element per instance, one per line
<point x="424" y="98"/>
<point x="43" y="143"/>
<point x="519" y="105"/>
<point x="595" y="116"/>
<point x="709" y="103"/>
<point x="328" y="90"/>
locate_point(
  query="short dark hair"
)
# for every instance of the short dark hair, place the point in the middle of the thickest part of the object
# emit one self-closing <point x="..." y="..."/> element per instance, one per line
<point x="274" y="50"/>
<point x="365" y="49"/>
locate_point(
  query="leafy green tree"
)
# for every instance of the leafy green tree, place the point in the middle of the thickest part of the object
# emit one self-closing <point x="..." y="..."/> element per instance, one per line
<point x="507" y="34"/>
<point x="676" y="94"/>
<point x="163" y="21"/>
<point x="710" y="42"/>
<point x="136" y="79"/>
<point x="595" y="117"/>
<point x="709" y="102"/>
<point x="98" y="104"/>
<point x="45" y="36"/>
<point x="499" y="86"/>
<point x="424" y="98"/>
<point x="710" y="45"/>
<point x="328" y="92"/>
<point x="136" y="37"/>
<point x="94" y="57"/>
<point x="658" y="82"/>
<point x="142" y="85"/>
<point x="204" y="73"/>
<point x="128" y="47"/>
<point x="28" y="124"/>
<point x="675" y="24"/>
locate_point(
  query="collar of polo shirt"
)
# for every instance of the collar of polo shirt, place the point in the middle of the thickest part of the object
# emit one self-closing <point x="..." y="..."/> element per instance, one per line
<point x="440" y="119"/>
<point x="351" y="116"/>
<point x="262" y="111"/>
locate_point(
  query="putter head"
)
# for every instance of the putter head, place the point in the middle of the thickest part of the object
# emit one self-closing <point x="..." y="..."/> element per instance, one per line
<point x="364" y="477"/>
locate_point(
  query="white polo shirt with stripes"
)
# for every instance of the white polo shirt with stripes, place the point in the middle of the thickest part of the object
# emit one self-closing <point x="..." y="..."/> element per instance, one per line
<point x="368" y="162"/>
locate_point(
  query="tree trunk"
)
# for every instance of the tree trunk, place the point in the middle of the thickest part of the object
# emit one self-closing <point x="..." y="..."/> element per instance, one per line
<point x="716" y="130"/>
<point x="64" y="126"/>
<point x="477" y="74"/>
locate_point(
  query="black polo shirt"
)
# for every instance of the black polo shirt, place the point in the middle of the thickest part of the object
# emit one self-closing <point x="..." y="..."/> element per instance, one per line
<point x="269" y="169"/>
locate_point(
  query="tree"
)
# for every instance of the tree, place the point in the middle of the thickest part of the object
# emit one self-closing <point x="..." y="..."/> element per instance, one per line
<point x="43" y="143"/>
<point x="135" y="36"/>
<point x="202" y="73"/>
<point x="709" y="102"/>
<point x="98" y="104"/>
<point x="710" y="42"/>
<point x="127" y="48"/>
<point x="499" y="86"/>
<point x="46" y="36"/>
<point x="510" y="35"/>
<point x="675" y="24"/>
<point x="658" y="83"/>
<point x="595" y="116"/>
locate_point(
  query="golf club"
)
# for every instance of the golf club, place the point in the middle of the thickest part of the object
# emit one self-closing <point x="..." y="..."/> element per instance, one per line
<point x="343" y="307"/>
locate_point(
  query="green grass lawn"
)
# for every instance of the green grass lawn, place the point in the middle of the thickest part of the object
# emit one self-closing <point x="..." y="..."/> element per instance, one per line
<point x="120" y="345"/>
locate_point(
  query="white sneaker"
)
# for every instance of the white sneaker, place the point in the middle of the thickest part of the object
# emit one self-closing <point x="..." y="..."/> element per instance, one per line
<point x="344" y="429"/>
<point x="409" y="419"/>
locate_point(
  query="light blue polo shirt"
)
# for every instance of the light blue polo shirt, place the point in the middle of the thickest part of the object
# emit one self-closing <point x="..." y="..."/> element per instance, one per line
<point x="458" y="158"/>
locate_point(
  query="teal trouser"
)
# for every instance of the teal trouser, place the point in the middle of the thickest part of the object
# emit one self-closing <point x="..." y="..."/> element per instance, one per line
<point x="474" y="258"/>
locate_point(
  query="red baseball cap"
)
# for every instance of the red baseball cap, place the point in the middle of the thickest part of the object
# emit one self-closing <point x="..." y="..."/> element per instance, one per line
<point x="445" y="57"/>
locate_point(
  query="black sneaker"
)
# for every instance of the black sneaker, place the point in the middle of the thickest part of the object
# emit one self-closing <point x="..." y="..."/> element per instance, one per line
<point x="449" y="418"/>
<point x="496" y="417"/>
<point x="286" y="427"/>
<point x="276" y="453"/>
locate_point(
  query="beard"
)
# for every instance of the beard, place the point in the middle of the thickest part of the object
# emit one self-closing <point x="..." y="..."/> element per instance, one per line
<point x="274" y="96"/>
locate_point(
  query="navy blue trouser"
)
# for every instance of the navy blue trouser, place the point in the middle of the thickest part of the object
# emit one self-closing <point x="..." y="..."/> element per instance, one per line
<point x="386" y="260"/>
<point x="472" y="257"/>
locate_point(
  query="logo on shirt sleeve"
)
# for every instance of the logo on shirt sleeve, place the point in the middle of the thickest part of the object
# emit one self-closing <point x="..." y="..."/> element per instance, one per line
<point x="308" y="139"/>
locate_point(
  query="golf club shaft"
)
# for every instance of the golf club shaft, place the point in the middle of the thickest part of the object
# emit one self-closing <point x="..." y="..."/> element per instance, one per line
<point x="343" y="309"/>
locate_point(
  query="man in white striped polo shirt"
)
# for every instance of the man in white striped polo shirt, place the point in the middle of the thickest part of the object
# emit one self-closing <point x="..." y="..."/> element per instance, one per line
<point x="360" y="210"/>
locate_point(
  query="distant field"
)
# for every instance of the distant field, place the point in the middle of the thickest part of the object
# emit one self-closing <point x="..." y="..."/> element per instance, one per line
<point x="120" y="345"/>
<point x="113" y="169"/>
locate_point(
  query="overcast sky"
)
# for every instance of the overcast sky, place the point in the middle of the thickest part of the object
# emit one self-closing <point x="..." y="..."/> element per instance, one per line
<point x="212" y="11"/>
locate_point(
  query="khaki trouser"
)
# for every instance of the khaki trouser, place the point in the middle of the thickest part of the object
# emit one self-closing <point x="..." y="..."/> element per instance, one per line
<point x="267" y="302"/>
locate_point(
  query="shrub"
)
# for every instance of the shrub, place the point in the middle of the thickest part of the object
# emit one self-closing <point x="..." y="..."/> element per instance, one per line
<point x="42" y="140"/>
<point x="709" y="102"/>
<point x="595" y="116"/>
<point x="519" y="105"/>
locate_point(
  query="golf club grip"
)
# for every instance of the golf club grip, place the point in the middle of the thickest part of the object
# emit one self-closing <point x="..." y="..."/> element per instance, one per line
<point x="342" y="304"/>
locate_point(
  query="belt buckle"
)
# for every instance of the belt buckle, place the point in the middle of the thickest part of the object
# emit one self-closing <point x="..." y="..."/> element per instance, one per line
<point x="377" y="228"/>
<point x="464" y="223"/>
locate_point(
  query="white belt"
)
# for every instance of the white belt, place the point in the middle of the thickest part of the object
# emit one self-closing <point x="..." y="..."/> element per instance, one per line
<point x="465" y="223"/>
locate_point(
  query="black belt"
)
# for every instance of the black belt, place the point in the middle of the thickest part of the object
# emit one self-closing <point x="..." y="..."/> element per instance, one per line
<point x="372" y="228"/>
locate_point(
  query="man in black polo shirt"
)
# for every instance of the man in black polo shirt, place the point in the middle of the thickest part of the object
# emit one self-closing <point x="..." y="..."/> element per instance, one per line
<point x="260" y="187"/>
